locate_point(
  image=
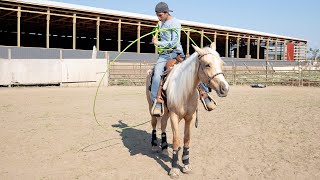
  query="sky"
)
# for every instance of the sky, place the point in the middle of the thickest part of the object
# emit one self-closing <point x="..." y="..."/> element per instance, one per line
<point x="293" y="18"/>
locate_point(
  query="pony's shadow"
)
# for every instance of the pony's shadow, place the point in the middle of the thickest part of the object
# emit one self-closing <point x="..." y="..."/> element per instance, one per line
<point x="139" y="142"/>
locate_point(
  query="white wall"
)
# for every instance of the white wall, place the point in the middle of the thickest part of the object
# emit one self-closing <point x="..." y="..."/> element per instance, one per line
<point x="52" y="71"/>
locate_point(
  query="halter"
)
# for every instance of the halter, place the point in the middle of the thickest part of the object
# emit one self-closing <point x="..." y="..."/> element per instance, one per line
<point x="209" y="78"/>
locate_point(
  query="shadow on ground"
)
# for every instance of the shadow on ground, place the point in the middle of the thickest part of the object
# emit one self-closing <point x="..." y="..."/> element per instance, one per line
<point x="139" y="142"/>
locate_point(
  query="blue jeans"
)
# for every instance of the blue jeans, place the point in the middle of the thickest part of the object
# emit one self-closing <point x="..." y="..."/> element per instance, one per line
<point x="158" y="70"/>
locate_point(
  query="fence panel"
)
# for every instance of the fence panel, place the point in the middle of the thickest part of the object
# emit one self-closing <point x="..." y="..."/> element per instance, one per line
<point x="237" y="71"/>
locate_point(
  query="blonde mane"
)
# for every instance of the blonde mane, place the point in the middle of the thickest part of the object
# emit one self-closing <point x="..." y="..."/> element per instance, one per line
<point x="180" y="82"/>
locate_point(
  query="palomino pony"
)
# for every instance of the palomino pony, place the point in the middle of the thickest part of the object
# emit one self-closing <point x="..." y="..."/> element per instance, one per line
<point x="182" y="99"/>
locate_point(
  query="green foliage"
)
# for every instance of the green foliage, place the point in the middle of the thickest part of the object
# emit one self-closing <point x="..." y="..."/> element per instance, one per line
<point x="314" y="54"/>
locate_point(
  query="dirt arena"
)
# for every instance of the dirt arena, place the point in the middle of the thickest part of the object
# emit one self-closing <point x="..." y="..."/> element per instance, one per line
<point x="50" y="133"/>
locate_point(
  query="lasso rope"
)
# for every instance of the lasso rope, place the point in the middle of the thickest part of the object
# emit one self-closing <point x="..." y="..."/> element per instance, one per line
<point x="155" y="32"/>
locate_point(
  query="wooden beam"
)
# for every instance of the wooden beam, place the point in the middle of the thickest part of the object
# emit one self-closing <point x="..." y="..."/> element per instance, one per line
<point x="48" y="30"/>
<point x="238" y="45"/>
<point x="119" y="35"/>
<point x="188" y="43"/>
<point x="227" y="45"/>
<point x="6" y="14"/>
<point x="138" y="36"/>
<point x="32" y="17"/>
<point x="201" y="41"/>
<point x="258" y="48"/>
<point x="19" y="26"/>
<point x="98" y="34"/>
<point x="248" y="48"/>
<point x="74" y="31"/>
<point x="267" y="51"/>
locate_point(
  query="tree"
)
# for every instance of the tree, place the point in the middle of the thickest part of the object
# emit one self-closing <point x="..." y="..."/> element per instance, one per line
<point x="315" y="54"/>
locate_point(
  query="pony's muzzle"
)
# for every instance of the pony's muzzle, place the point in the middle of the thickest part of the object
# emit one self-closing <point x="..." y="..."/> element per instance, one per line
<point x="223" y="89"/>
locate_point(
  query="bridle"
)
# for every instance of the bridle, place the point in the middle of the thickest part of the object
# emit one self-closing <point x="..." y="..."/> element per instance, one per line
<point x="209" y="78"/>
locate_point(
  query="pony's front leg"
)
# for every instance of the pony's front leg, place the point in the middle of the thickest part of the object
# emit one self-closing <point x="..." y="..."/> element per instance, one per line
<point x="185" y="155"/>
<point x="174" y="172"/>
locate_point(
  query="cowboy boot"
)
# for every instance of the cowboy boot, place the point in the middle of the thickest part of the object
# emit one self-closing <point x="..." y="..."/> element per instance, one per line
<point x="156" y="108"/>
<point x="158" y="104"/>
<point x="207" y="101"/>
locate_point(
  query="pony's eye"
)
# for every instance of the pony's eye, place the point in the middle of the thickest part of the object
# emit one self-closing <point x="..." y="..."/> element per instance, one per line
<point x="207" y="65"/>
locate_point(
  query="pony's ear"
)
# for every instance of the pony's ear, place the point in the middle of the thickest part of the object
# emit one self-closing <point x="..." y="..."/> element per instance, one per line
<point x="213" y="46"/>
<point x="196" y="48"/>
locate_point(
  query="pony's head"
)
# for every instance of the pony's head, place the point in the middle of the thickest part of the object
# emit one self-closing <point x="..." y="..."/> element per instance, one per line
<point x="210" y="69"/>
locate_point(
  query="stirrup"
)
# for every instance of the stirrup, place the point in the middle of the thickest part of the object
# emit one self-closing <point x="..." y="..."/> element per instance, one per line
<point x="205" y="105"/>
<point x="161" y="113"/>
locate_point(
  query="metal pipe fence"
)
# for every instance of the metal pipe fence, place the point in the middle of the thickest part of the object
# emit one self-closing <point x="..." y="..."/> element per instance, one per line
<point x="237" y="72"/>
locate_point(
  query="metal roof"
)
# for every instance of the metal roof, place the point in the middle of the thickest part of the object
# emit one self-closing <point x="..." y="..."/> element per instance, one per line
<point x="145" y="17"/>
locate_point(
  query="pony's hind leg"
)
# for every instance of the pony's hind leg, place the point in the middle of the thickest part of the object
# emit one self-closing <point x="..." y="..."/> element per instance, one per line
<point x="154" y="141"/>
<point x="164" y="144"/>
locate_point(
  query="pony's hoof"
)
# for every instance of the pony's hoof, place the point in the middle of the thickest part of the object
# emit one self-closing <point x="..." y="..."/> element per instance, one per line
<point x="154" y="149"/>
<point x="165" y="152"/>
<point x="174" y="173"/>
<point x="187" y="169"/>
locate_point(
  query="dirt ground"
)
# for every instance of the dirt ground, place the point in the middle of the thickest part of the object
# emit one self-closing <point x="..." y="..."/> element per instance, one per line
<point x="50" y="133"/>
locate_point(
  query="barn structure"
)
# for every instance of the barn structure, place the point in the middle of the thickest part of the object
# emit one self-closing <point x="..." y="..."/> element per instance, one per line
<point x="50" y="24"/>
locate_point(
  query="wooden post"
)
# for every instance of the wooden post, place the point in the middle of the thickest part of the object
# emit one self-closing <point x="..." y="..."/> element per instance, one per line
<point x="98" y="34"/>
<point x="248" y="48"/>
<point x="201" y="43"/>
<point x="48" y="30"/>
<point x="238" y="45"/>
<point x="119" y="35"/>
<point x="227" y="45"/>
<point x="258" y="48"/>
<point x="267" y="51"/>
<point x="138" y="36"/>
<point x="74" y="36"/>
<point x="188" y="43"/>
<point x="19" y="26"/>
